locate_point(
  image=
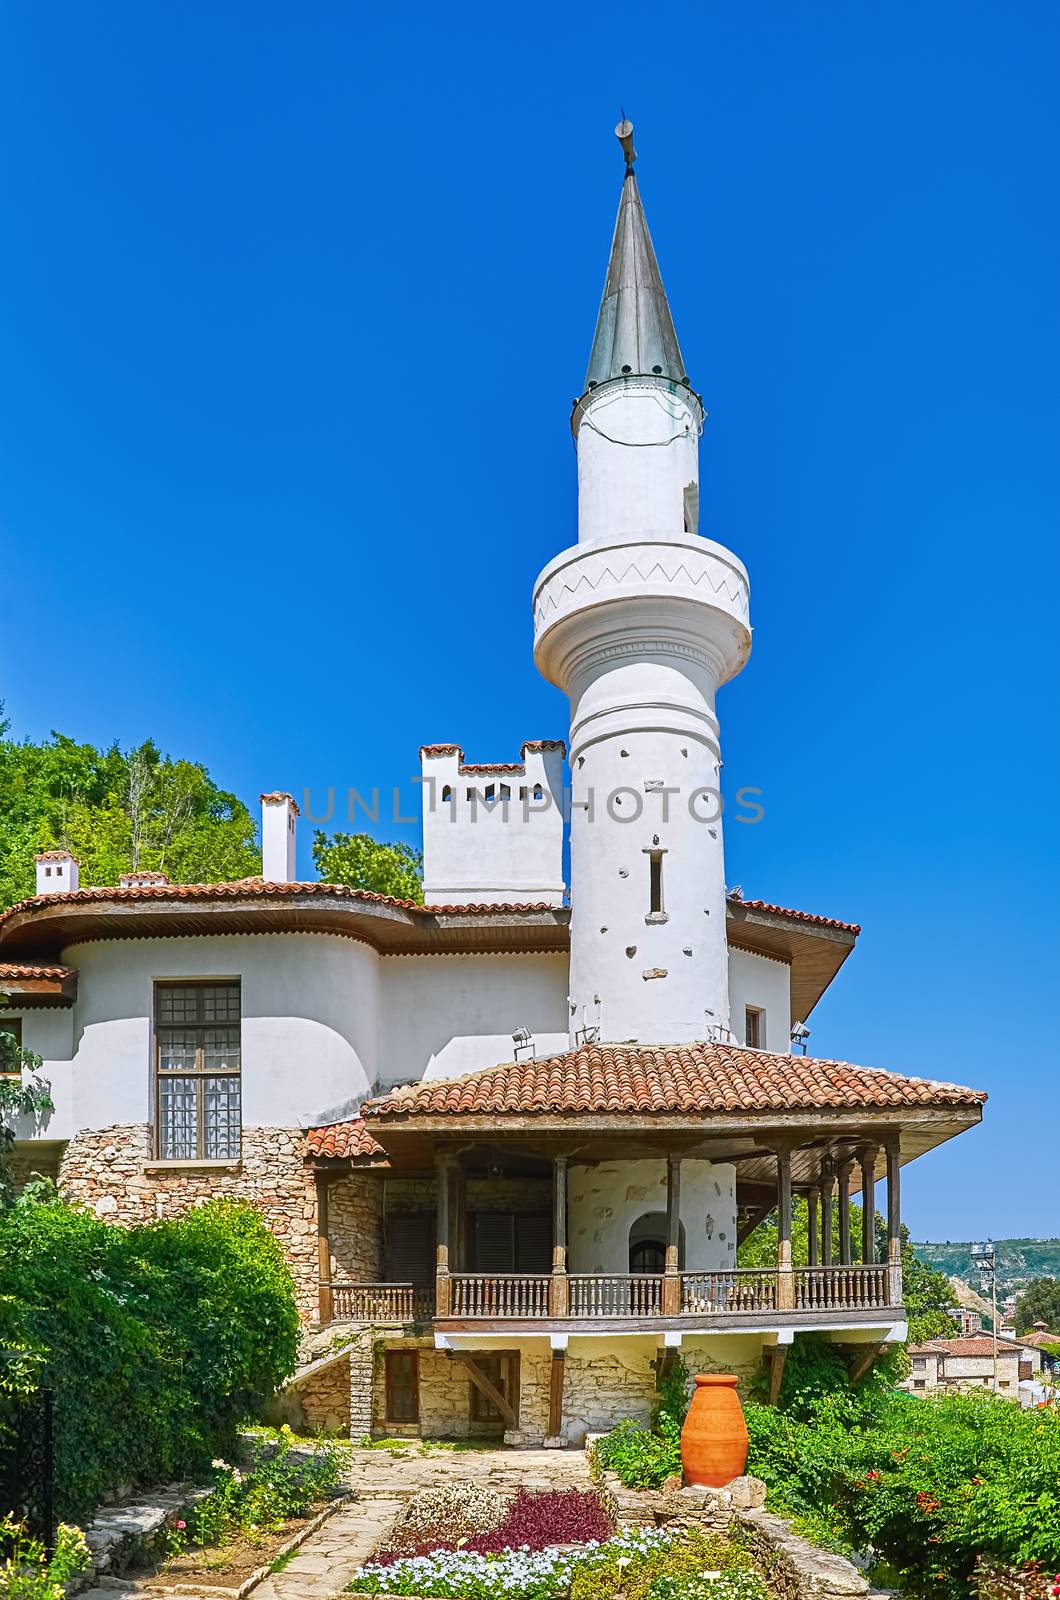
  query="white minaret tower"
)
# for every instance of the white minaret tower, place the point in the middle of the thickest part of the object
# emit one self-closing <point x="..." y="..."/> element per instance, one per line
<point x="639" y="625"/>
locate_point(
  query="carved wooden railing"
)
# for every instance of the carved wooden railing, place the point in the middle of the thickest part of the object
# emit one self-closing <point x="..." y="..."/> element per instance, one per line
<point x="615" y="1294"/>
<point x="498" y="1294"/>
<point x="378" y="1302"/>
<point x="742" y="1289"/>
<point x="841" y="1288"/>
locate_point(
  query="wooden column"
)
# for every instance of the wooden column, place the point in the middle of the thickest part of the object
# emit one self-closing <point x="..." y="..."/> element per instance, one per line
<point x="671" y="1288"/>
<point x="826" y="1186"/>
<point x="441" y="1283"/>
<point x="867" y="1162"/>
<point x="558" y="1289"/>
<point x="323" y="1249"/>
<point x="785" y="1281"/>
<point x="844" y="1171"/>
<point x="555" y="1394"/>
<point x="894" y="1221"/>
<point x="813" y="1253"/>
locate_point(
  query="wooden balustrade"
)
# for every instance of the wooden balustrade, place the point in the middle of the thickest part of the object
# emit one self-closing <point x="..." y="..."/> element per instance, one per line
<point x="635" y="1296"/>
<point x="615" y="1294"/>
<point x="378" y="1302"/>
<point x="841" y="1288"/>
<point x="498" y="1294"/>
<point x="742" y="1289"/>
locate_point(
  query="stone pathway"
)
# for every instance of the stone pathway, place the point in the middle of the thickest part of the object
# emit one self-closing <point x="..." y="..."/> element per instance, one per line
<point x="381" y="1482"/>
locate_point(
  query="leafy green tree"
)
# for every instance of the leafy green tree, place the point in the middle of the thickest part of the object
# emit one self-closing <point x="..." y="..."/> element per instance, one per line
<point x="928" y="1294"/>
<point x="1039" y="1302"/>
<point x="116" y="811"/>
<point x="23" y="1093"/>
<point x="365" y="863"/>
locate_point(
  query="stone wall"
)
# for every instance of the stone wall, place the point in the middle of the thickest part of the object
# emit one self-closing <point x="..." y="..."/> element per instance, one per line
<point x="111" y="1171"/>
<point x="34" y="1156"/>
<point x="320" y="1400"/>
<point x="355" y="1227"/>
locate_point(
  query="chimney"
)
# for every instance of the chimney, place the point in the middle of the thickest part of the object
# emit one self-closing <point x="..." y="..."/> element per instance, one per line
<point x="57" y="872"/>
<point x="278" y="813"/>
<point x="143" y="880"/>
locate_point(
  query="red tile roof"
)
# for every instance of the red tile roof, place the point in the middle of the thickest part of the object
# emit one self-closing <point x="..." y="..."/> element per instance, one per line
<point x="278" y="795"/>
<point x="685" y="1078"/>
<point x="24" y="969"/>
<point x="982" y="1346"/>
<point x="469" y="769"/>
<point x="56" y="855"/>
<point x="342" y="1139"/>
<point x="254" y="888"/>
<point x="796" y="916"/>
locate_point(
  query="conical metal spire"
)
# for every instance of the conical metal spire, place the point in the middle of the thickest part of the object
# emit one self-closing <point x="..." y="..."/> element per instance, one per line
<point x="634" y="331"/>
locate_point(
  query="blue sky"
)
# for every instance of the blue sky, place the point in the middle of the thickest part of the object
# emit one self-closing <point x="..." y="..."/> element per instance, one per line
<point x="295" y="301"/>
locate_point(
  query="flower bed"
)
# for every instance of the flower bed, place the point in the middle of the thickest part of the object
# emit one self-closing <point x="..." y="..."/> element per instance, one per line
<point x="641" y="1563"/>
<point x="250" y="1517"/>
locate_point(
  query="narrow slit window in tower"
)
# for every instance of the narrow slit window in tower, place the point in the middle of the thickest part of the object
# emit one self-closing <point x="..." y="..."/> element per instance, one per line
<point x="655" y="908"/>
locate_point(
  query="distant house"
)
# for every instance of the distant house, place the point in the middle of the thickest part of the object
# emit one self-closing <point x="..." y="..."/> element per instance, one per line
<point x="971" y="1322"/>
<point x="968" y="1363"/>
<point x="1045" y="1343"/>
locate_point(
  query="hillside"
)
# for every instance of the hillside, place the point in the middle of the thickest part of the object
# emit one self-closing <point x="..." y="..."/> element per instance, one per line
<point x="1018" y="1261"/>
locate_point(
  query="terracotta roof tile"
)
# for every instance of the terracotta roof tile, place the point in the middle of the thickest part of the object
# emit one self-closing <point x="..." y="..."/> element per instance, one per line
<point x="56" y="855"/>
<point x="343" y="1139"/>
<point x="254" y="888"/>
<point x="277" y="796"/>
<point x="687" y="1078"/>
<point x="796" y="916"/>
<point x="25" y="969"/>
<point x="983" y="1346"/>
<point x="470" y="769"/>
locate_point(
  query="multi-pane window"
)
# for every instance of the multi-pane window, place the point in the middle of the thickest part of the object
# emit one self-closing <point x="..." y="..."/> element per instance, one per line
<point x="197" y="1076"/>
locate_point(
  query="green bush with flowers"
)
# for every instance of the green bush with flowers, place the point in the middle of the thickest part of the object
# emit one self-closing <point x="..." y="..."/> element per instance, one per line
<point x="156" y="1341"/>
<point x="929" y="1486"/>
<point x="28" y="1572"/>
<point x="280" y="1483"/>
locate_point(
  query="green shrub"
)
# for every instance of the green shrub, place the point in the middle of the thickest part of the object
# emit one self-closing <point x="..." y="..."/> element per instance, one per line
<point x="928" y="1484"/>
<point x="641" y="1458"/>
<point x="27" y="1572"/>
<point x="156" y="1341"/>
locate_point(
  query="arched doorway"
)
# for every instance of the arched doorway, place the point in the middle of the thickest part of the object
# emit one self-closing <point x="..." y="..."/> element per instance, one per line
<point x="647" y="1243"/>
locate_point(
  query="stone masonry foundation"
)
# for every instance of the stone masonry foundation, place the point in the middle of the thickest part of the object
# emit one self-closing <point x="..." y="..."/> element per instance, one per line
<point x="111" y="1171"/>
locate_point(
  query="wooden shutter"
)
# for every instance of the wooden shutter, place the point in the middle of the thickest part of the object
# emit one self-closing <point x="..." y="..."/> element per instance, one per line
<point x="494" y="1235"/>
<point x="533" y="1243"/>
<point x="410" y="1250"/>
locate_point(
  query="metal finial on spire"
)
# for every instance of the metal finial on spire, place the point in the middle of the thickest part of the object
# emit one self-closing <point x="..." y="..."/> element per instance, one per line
<point x="624" y="135"/>
<point x="635" y="333"/>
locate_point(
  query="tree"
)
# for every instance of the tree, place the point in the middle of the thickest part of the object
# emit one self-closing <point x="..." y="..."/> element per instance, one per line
<point x="116" y="811"/>
<point x="928" y="1295"/>
<point x="1039" y="1302"/>
<point x="365" y="863"/>
<point x="23" y="1093"/>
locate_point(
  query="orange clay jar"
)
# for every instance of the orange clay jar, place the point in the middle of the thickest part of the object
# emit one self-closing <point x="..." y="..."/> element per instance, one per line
<point x="714" y="1436"/>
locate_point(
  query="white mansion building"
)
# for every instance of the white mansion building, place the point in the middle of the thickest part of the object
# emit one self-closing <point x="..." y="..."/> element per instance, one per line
<point x="511" y="1138"/>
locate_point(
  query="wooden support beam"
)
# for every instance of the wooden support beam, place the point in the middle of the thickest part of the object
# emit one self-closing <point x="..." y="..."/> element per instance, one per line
<point x="844" y="1172"/>
<point x="484" y="1386"/>
<point x="754" y="1216"/>
<point x="555" y="1394"/>
<point x="671" y="1285"/>
<point x="811" y="1228"/>
<point x="323" y="1249"/>
<point x="827" y="1186"/>
<point x="441" y="1271"/>
<point x="867" y="1162"/>
<point x="776" y="1372"/>
<point x="871" y="1353"/>
<point x="785" y="1280"/>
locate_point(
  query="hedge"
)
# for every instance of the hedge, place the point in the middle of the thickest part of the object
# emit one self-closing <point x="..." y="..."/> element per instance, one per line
<point x="156" y="1341"/>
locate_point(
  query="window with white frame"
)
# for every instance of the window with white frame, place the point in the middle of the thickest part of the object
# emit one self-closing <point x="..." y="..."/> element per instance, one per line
<point x="754" y="1034"/>
<point x="197" y="1070"/>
